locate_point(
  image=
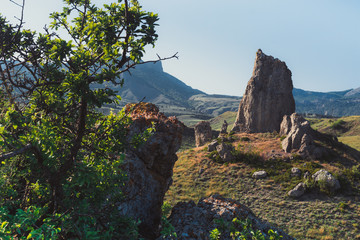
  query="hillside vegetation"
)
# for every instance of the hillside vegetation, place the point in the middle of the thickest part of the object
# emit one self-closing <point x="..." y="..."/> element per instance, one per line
<point x="316" y="215"/>
<point x="346" y="129"/>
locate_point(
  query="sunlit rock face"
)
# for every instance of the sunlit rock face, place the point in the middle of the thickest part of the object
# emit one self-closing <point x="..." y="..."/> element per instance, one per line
<point x="268" y="96"/>
<point x="149" y="168"/>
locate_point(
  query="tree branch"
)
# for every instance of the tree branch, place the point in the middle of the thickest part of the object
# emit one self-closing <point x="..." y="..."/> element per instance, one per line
<point x="16" y="152"/>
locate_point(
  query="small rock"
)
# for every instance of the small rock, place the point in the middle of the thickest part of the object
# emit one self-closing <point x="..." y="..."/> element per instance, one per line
<point x="225" y="152"/>
<point x="212" y="146"/>
<point x="326" y="178"/>
<point x="259" y="174"/>
<point x="295" y="172"/>
<point x="298" y="191"/>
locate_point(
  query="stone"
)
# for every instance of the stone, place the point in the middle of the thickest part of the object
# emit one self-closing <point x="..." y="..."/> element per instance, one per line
<point x="268" y="97"/>
<point x="259" y="174"/>
<point x="203" y="133"/>
<point x="212" y="146"/>
<point x="326" y="178"/>
<point x="196" y="221"/>
<point x="298" y="191"/>
<point x="224" y="128"/>
<point x="295" y="172"/>
<point x="225" y="152"/>
<point x="149" y="167"/>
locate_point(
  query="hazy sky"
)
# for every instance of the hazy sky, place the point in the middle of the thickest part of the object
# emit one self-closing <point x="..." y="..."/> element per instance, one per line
<point x="217" y="40"/>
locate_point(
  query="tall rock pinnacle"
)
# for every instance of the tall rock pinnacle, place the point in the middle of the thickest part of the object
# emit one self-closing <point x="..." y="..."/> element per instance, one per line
<point x="268" y="96"/>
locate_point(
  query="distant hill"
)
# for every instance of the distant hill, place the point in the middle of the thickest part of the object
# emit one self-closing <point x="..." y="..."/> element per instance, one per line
<point x="174" y="97"/>
<point x="342" y="103"/>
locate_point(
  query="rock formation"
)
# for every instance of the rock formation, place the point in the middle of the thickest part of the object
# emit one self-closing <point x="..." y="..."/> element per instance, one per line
<point x="203" y="133"/>
<point x="149" y="168"/>
<point x="268" y="96"/>
<point x="193" y="221"/>
<point x="224" y="127"/>
<point x="300" y="136"/>
<point x="225" y="151"/>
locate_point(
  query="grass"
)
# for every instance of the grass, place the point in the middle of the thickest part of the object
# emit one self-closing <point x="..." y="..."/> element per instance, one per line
<point x="352" y="141"/>
<point x="347" y="129"/>
<point x="314" y="216"/>
<point x="217" y="122"/>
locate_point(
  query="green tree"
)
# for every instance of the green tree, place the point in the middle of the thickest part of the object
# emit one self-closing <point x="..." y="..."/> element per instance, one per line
<point x="60" y="158"/>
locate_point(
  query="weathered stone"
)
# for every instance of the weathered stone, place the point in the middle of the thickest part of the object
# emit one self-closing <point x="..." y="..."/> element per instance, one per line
<point x="300" y="137"/>
<point x="225" y="152"/>
<point x="324" y="177"/>
<point x="298" y="133"/>
<point x="268" y="96"/>
<point x="295" y="172"/>
<point x="259" y="174"/>
<point x="224" y="127"/>
<point x="203" y="133"/>
<point x="212" y="146"/>
<point x="298" y="191"/>
<point x="193" y="221"/>
<point x="149" y="167"/>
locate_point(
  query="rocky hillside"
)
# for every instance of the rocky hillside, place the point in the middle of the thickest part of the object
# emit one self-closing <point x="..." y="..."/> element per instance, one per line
<point x="317" y="214"/>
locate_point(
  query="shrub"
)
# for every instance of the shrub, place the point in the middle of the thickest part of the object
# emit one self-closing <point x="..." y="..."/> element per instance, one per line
<point x="241" y="229"/>
<point x="337" y="124"/>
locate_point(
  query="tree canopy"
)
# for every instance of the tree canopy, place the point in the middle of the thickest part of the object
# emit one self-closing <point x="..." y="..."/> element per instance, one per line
<point x="60" y="157"/>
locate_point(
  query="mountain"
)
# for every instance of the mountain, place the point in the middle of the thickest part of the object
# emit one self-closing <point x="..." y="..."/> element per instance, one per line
<point x="341" y="103"/>
<point x="149" y="82"/>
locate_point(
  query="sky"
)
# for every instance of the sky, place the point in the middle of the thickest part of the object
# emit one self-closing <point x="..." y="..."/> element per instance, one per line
<point x="216" y="41"/>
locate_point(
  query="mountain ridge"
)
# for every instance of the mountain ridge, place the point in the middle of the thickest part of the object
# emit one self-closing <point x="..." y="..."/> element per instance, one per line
<point x="149" y="82"/>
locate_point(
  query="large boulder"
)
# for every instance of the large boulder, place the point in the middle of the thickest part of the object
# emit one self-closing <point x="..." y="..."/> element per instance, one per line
<point x="193" y="221"/>
<point x="149" y="168"/>
<point x="297" y="131"/>
<point x="225" y="152"/>
<point x="268" y="96"/>
<point x="203" y="133"/>
<point x="300" y="137"/>
<point x="325" y="179"/>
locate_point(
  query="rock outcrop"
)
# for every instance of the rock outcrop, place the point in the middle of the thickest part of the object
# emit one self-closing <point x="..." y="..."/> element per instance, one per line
<point x="300" y="137"/>
<point x="193" y="221"/>
<point x="224" y="128"/>
<point x="268" y="96"/>
<point x="203" y="133"/>
<point x="149" y="168"/>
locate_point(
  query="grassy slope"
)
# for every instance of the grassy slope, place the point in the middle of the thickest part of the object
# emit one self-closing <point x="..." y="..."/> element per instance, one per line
<point x="347" y="130"/>
<point x="217" y="122"/>
<point x="314" y="216"/>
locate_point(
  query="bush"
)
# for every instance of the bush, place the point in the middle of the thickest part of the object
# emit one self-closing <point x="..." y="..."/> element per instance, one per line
<point x="338" y="124"/>
<point x="241" y="229"/>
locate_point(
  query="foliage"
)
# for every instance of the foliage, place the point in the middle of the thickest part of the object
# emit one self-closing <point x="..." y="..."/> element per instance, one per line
<point x="241" y="230"/>
<point x="167" y="229"/>
<point x="60" y="162"/>
<point x="337" y="124"/>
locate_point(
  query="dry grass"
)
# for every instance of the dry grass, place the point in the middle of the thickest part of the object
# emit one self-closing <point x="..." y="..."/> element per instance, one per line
<point x="313" y="216"/>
